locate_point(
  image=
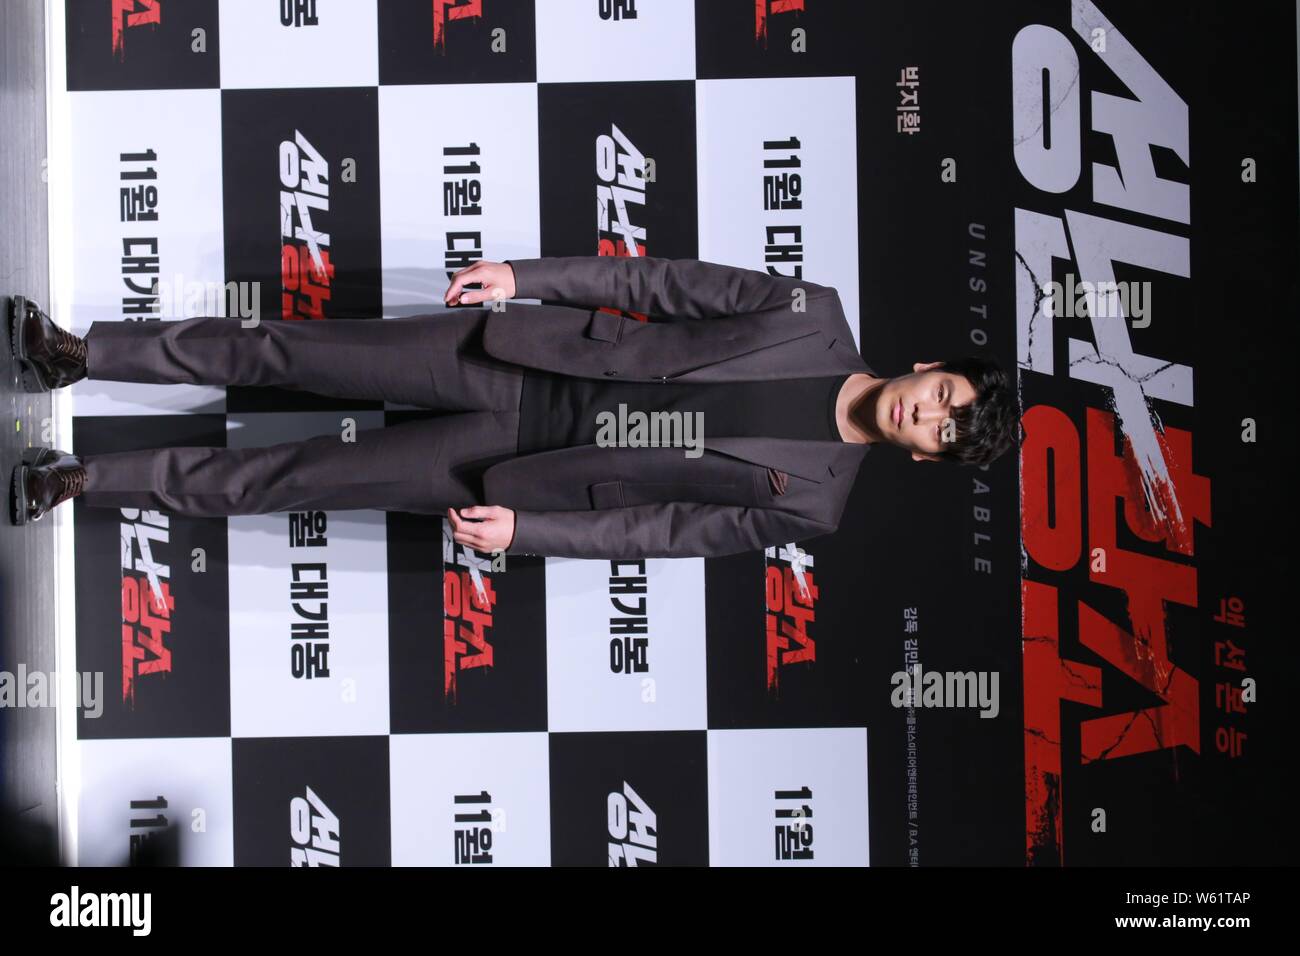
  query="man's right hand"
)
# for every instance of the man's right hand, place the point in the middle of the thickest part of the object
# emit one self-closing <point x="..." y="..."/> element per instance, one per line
<point x="497" y="279"/>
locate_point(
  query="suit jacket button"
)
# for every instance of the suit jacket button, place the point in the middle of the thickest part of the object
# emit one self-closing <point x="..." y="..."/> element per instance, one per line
<point x="611" y="372"/>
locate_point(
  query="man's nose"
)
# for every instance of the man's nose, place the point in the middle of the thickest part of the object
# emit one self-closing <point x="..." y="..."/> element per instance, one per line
<point x="923" y="413"/>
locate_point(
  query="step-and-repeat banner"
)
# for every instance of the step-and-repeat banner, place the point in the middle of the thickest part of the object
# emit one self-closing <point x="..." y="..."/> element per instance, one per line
<point x="1083" y="192"/>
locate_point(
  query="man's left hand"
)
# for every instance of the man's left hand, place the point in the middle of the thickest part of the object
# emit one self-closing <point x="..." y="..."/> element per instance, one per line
<point x="492" y="527"/>
<point x="496" y="278"/>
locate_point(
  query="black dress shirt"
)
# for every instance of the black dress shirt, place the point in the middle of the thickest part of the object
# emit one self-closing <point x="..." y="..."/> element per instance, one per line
<point x="559" y="411"/>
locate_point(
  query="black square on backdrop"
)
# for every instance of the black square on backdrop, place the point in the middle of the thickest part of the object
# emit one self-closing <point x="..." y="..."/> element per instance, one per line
<point x="584" y="126"/>
<point x="431" y="690"/>
<point x="348" y="782"/>
<point x="179" y="687"/>
<point x="610" y="785"/>
<point x="474" y="42"/>
<point x="341" y="125"/>
<point x="142" y="45"/>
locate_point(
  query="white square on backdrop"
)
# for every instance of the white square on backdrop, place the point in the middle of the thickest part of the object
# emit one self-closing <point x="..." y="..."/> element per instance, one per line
<point x="258" y="51"/>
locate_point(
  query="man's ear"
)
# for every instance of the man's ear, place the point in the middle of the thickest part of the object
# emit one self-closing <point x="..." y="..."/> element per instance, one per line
<point x="918" y="456"/>
<point x="925" y="366"/>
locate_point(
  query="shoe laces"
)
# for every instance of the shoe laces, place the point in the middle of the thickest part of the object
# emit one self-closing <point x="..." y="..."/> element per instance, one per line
<point x="72" y="481"/>
<point x="65" y="343"/>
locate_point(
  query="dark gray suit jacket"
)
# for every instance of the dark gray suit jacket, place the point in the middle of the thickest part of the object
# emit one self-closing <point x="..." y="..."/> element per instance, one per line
<point x="593" y="502"/>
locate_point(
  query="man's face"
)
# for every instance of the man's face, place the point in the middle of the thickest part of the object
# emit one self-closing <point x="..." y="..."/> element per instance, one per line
<point x="910" y="409"/>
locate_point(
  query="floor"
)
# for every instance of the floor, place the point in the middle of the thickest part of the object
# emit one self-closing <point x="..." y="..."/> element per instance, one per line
<point x="28" y="793"/>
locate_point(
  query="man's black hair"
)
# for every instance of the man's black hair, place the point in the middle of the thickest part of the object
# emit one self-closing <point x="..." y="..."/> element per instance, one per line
<point x="990" y="424"/>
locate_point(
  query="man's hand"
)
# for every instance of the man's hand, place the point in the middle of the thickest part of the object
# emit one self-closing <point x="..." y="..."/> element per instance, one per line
<point x="494" y="531"/>
<point x="497" y="279"/>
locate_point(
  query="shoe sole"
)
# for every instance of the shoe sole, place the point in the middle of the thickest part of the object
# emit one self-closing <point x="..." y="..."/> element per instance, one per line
<point x="18" y="512"/>
<point x="31" y="381"/>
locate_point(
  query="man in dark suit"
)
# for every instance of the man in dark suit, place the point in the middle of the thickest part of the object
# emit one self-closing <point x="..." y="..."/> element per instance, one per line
<point x="538" y="437"/>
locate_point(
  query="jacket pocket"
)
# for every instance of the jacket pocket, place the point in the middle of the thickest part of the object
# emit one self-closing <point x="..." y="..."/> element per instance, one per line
<point x="607" y="494"/>
<point x="769" y="483"/>
<point x="606" y="327"/>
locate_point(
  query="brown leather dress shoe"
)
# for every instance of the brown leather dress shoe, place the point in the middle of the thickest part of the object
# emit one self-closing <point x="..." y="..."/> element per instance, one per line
<point x="45" y="478"/>
<point x="52" y="356"/>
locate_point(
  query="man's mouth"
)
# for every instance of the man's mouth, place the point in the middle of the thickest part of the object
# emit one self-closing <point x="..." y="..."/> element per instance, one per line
<point x="898" y="414"/>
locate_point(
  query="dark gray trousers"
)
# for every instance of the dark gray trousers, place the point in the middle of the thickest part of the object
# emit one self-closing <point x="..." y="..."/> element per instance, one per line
<point x="435" y="362"/>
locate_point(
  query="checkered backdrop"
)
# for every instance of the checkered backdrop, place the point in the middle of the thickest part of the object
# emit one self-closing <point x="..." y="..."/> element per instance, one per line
<point x="353" y="687"/>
